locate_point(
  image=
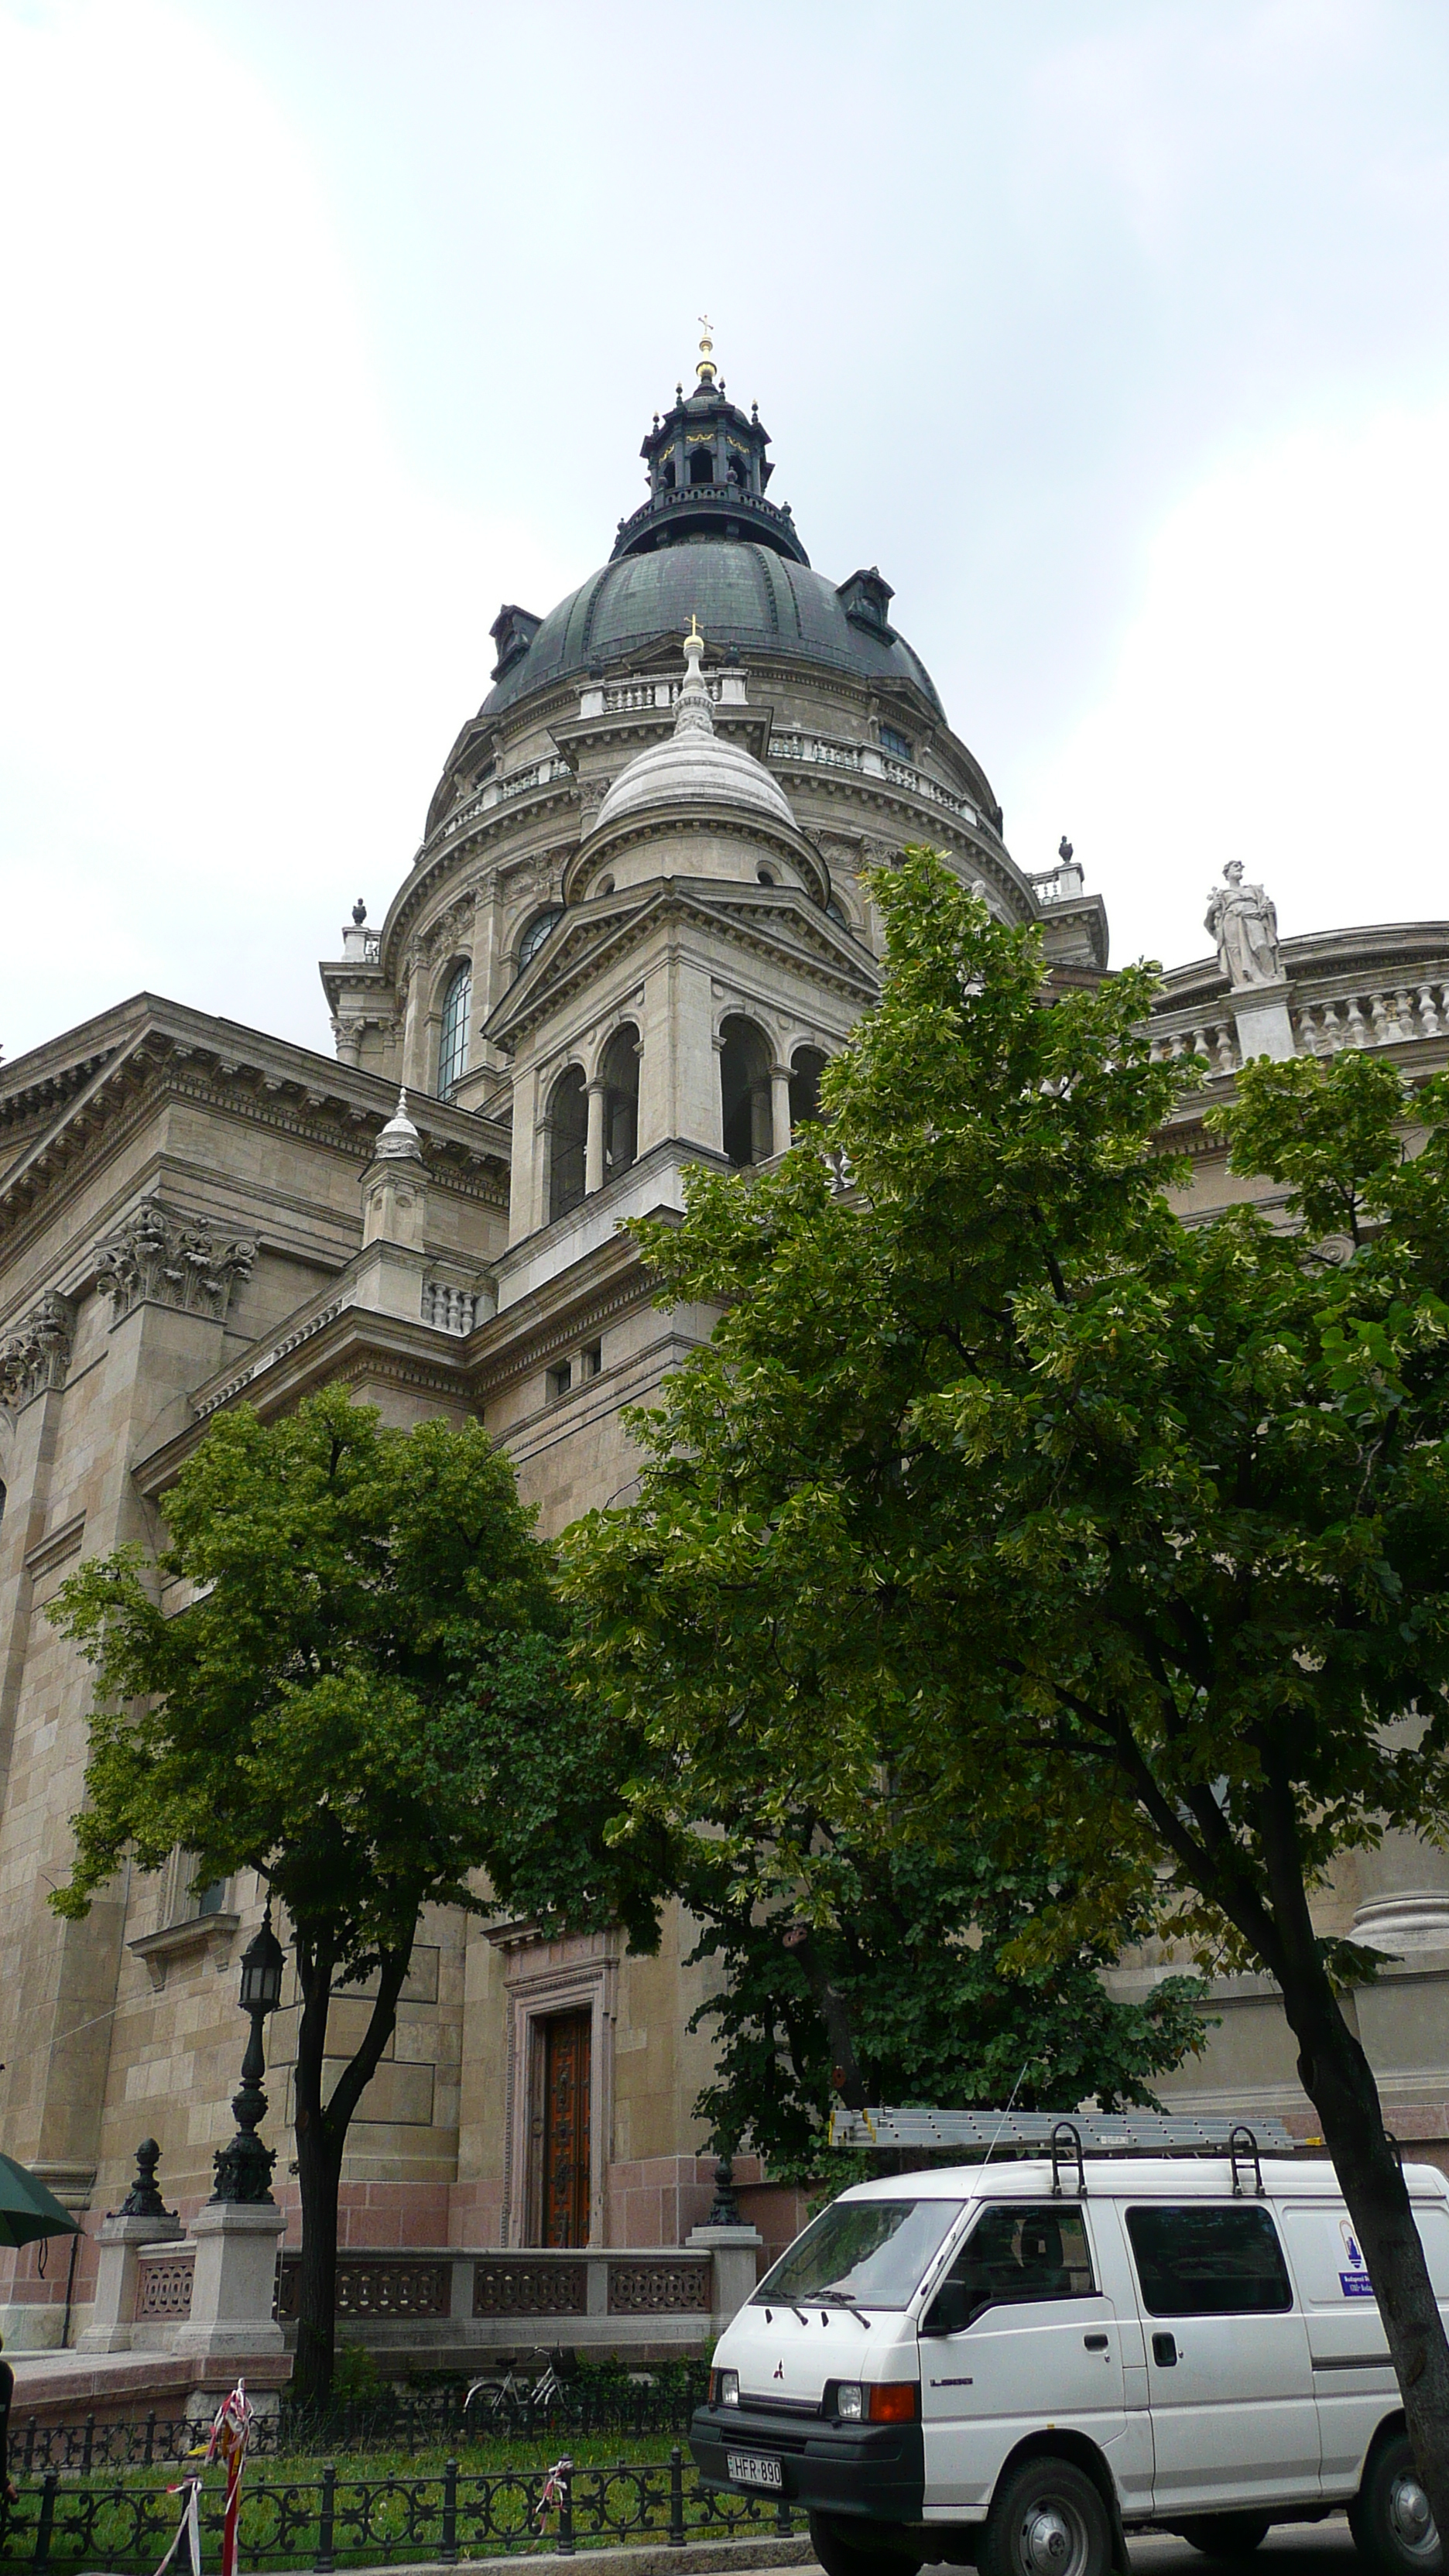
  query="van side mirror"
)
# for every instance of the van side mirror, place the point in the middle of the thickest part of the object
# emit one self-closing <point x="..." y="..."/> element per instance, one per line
<point x="949" y="2312"/>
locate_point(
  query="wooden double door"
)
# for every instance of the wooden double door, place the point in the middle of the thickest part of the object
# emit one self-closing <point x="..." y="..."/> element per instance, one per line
<point x="560" y="2177"/>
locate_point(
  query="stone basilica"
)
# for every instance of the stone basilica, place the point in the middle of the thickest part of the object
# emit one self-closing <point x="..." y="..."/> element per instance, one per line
<point x="634" y="931"/>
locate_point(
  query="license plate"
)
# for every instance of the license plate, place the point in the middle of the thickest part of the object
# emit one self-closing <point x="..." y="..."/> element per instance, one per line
<point x="749" y="2470"/>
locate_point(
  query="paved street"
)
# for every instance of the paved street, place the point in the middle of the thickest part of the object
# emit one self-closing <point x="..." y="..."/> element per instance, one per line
<point x="1302" y="2549"/>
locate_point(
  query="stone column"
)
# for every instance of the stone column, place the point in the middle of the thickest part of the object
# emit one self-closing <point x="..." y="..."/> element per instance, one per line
<point x="762" y="1143"/>
<point x="113" y="2318"/>
<point x="234" y="2283"/>
<point x="594" y="1142"/>
<point x="780" y="1106"/>
<point x="736" y="2252"/>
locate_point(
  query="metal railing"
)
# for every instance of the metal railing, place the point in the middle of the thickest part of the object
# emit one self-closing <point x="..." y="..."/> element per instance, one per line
<point x="331" y="2521"/>
<point x="424" y="2421"/>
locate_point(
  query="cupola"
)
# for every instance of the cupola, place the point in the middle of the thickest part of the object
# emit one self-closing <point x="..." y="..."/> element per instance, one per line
<point x="707" y="474"/>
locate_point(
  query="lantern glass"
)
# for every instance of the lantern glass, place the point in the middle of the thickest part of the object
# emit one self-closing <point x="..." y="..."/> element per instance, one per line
<point x="261" y="1972"/>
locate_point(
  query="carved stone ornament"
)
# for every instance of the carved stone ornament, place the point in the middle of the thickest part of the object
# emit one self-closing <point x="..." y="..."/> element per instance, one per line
<point x="37" y="1354"/>
<point x="156" y="1257"/>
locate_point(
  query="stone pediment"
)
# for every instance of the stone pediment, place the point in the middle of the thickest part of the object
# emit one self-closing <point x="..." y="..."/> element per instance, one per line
<point x="68" y="1105"/>
<point x="778" y="923"/>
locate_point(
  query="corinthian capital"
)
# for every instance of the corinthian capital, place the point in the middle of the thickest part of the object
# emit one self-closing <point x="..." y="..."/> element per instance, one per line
<point x="158" y="1257"/>
<point x="36" y="1354"/>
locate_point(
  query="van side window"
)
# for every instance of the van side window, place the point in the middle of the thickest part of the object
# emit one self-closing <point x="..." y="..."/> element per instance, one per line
<point x="1204" y="2262"/>
<point x="1017" y="2252"/>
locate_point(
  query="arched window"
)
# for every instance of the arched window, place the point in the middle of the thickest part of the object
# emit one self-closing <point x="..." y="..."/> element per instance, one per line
<point x="568" y="1130"/>
<point x="453" y="1035"/>
<point x="806" y="1067"/>
<point x="536" y="932"/>
<point x="701" y="465"/>
<point x="619" y="1074"/>
<point x="744" y="1080"/>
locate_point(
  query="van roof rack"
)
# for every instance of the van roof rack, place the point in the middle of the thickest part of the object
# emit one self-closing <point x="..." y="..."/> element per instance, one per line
<point x="1066" y="2136"/>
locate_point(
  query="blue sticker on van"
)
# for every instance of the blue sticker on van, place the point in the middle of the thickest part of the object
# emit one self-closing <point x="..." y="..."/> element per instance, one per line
<point x="1356" y="2285"/>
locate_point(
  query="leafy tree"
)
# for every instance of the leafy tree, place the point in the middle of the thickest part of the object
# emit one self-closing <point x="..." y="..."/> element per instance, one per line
<point x="997" y="1472"/>
<point x="367" y="1618"/>
<point x="903" y="1996"/>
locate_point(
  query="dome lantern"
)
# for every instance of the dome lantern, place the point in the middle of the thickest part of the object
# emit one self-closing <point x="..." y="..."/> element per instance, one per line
<point x="707" y="474"/>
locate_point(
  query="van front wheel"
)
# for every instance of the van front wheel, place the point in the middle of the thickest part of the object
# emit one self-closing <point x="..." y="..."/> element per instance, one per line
<point x="1047" y="2520"/>
<point x="879" y="2551"/>
<point x="1392" y="2525"/>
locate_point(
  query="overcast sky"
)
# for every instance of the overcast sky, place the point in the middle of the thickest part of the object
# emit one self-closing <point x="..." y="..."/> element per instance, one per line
<point x="1115" y="334"/>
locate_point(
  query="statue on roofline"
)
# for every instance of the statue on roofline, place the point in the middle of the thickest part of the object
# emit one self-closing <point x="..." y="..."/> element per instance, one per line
<point x="1243" y="922"/>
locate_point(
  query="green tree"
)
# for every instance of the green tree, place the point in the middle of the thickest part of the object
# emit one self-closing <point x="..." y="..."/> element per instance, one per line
<point x="995" y="1470"/>
<point x="366" y="1615"/>
<point x="904" y="1994"/>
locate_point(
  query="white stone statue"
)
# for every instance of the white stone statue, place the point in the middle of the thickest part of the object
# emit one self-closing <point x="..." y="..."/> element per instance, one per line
<point x="1244" y="923"/>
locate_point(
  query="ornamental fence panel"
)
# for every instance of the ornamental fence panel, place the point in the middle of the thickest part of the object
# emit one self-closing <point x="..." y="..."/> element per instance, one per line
<point x="336" y="2520"/>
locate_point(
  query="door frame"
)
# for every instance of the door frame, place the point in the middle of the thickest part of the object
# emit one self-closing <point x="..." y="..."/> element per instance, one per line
<point x="545" y="1978"/>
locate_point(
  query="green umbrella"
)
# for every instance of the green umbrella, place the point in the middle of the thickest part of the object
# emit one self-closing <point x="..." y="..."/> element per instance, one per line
<point x="27" y="2209"/>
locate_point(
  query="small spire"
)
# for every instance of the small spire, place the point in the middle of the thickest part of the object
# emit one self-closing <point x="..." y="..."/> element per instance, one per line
<point x="399" y="1140"/>
<point x="694" y="714"/>
<point x="705" y="368"/>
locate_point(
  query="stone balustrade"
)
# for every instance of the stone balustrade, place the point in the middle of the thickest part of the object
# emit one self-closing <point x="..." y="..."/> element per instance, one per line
<point x="1213" y="1039"/>
<point x="450" y="1309"/>
<point x="1326" y="1014"/>
<point x="828" y="751"/>
<point x="498" y="791"/>
<point x="1356" y="1012"/>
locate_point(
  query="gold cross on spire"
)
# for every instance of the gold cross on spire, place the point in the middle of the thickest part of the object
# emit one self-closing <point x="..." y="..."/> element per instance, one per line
<point x="695" y="636"/>
<point x="705" y="368"/>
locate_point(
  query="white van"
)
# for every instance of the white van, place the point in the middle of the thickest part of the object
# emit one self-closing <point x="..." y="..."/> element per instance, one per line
<point x="1015" y="2364"/>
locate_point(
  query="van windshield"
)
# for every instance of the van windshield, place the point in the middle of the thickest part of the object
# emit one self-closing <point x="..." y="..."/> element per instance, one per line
<point x="862" y="2254"/>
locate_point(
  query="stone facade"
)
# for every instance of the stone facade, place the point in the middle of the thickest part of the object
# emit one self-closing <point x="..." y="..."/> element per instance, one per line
<point x="610" y="977"/>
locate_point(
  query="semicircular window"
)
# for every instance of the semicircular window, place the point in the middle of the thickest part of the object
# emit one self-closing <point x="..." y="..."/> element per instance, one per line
<point x="536" y="932"/>
<point x="453" y="1035"/>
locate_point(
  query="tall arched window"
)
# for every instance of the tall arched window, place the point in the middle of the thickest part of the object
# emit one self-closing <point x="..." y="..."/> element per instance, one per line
<point x="619" y="1073"/>
<point x="744" y="1080"/>
<point x="806" y="1067"/>
<point x="453" y="1035"/>
<point x="568" y="1129"/>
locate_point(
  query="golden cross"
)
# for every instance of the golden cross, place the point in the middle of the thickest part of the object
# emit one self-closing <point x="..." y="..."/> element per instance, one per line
<point x="695" y="636"/>
<point x="706" y="325"/>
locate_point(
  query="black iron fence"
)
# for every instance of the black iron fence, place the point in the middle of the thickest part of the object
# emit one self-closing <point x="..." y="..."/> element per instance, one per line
<point x="334" y="2521"/>
<point x="425" y="2420"/>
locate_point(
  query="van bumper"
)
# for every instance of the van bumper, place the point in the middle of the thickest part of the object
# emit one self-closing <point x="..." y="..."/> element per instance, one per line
<point x="872" y="2472"/>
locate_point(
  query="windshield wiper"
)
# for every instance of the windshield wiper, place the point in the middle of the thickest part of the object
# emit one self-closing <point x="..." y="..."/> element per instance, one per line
<point x="842" y="2299"/>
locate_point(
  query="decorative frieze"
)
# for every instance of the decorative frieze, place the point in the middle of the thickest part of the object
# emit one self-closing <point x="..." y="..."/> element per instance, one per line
<point x="36" y="1354"/>
<point x="157" y="1257"/>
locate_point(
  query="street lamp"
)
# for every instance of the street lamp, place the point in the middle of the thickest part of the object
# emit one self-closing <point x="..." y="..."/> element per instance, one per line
<point x="244" y="2168"/>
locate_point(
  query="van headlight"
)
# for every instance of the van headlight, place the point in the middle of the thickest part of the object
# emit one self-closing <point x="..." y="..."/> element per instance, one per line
<point x="850" y="2401"/>
<point x="724" y="2388"/>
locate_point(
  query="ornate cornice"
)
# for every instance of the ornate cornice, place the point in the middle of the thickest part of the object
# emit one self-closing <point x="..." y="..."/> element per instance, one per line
<point x="156" y="1257"/>
<point x="35" y="1356"/>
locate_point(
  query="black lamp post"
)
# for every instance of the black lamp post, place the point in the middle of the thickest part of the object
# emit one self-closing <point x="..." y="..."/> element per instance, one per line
<point x="244" y="2169"/>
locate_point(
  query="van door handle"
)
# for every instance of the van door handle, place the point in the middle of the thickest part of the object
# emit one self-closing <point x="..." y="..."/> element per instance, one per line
<point x="1095" y="2343"/>
<point x="1164" y="2351"/>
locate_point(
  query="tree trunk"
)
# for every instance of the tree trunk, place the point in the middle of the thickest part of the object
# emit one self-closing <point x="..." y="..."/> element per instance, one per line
<point x="1337" y="2077"/>
<point x="834" y="2011"/>
<point x="321" y="2140"/>
<point x="1339" y="2082"/>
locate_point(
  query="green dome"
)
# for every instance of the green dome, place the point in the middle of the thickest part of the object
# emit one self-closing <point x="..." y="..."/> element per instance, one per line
<point x="745" y="596"/>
